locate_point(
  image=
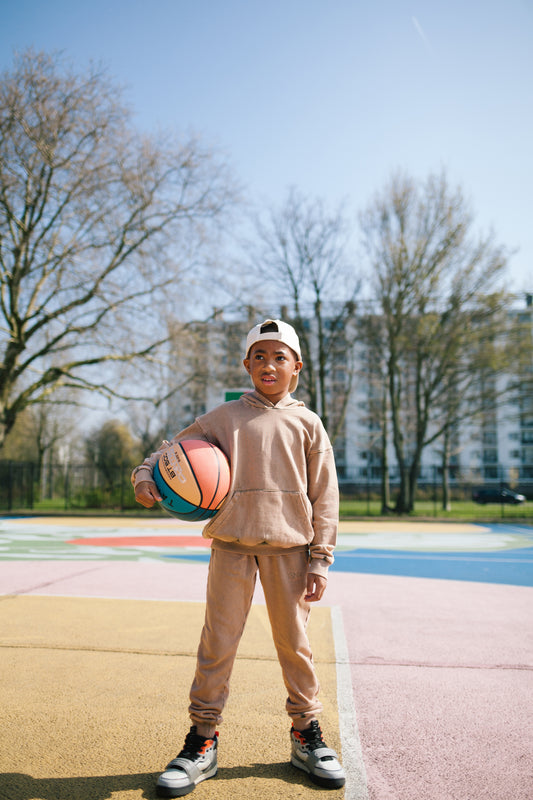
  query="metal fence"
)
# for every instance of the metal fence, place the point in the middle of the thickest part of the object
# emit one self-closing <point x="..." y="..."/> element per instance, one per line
<point x="463" y="486"/>
<point x="23" y="486"/>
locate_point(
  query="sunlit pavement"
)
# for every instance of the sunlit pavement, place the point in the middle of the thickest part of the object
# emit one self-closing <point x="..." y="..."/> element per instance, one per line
<point x="423" y="647"/>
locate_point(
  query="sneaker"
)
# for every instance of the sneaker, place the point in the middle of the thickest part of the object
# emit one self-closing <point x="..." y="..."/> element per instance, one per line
<point x="310" y="753"/>
<point x="195" y="763"/>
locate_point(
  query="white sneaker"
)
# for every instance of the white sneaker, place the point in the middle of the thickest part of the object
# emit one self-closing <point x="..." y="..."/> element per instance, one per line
<point x="310" y="754"/>
<point x="195" y="763"/>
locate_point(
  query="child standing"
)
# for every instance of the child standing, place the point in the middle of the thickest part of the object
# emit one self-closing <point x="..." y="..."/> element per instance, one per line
<point x="279" y="520"/>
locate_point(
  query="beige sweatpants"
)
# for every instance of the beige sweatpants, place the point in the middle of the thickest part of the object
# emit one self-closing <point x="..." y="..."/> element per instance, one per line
<point x="230" y="588"/>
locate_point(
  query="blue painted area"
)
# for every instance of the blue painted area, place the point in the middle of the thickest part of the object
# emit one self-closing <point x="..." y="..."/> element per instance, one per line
<point x="513" y="567"/>
<point x="204" y="557"/>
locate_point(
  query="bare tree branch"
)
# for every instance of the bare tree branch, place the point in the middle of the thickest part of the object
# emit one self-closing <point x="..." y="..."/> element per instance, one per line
<point x="96" y="225"/>
<point x="439" y="295"/>
<point x="302" y="251"/>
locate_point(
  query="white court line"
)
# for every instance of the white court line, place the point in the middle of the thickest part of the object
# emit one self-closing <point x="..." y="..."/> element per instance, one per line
<point x="352" y="755"/>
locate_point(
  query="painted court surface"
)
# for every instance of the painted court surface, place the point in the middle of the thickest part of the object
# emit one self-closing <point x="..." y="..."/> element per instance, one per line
<point x="423" y="646"/>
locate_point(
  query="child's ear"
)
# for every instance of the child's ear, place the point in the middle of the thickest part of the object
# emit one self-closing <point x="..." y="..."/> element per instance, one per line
<point x="246" y="363"/>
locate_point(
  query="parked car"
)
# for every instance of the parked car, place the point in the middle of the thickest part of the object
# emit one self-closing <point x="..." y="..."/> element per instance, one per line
<point x="497" y="495"/>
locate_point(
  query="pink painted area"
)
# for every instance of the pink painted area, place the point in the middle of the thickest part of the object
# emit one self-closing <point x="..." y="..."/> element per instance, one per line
<point x="442" y="675"/>
<point x="148" y="580"/>
<point x="143" y="541"/>
<point x="434" y="734"/>
<point x="433" y="622"/>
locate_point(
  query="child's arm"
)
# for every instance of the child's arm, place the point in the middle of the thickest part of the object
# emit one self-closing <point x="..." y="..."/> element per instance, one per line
<point x="146" y="492"/>
<point x="323" y="492"/>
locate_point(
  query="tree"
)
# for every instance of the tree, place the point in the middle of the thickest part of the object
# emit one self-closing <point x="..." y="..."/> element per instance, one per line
<point x="38" y="432"/>
<point x="437" y="291"/>
<point x="302" y="252"/>
<point x="112" y="448"/>
<point x="372" y="372"/>
<point x="97" y="225"/>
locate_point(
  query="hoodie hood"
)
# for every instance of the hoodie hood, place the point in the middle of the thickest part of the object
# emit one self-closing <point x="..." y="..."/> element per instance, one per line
<point x="258" y="401"/>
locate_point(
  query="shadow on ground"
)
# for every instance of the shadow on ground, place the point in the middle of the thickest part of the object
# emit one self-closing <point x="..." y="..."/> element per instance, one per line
<point x="17" y="786"/>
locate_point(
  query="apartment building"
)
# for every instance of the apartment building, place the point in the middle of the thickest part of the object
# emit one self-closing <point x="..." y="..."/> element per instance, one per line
<point x="496" y="445"/>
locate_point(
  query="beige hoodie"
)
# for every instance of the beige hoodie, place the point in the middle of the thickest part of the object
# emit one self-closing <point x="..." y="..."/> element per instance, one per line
<point x="284" y="489"/>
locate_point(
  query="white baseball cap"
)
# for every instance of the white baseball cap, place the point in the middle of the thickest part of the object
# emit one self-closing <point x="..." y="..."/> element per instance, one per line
<point x="277" y="331"/>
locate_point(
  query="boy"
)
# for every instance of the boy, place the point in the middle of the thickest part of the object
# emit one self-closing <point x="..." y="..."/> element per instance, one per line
<point x="279" y="519"/>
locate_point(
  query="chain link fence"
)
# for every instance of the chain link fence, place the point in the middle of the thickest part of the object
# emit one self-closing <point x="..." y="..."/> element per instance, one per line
<point x="472" y="487"/>
<point x="23" y="487"/>
<point x="84" y="487"/>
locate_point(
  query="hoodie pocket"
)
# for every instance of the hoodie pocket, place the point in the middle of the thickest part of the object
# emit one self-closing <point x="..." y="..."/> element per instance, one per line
<point x="277" y="517"/>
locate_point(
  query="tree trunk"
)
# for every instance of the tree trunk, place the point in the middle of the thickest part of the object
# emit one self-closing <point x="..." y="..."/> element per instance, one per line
<point x="385" y="485"/>
<point x="402" y="501"/>
<point x="446" y="504"/>
<point x="321" y="365"/>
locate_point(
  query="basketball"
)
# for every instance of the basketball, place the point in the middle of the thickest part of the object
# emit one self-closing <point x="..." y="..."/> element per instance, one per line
<point x="193" y="478"/>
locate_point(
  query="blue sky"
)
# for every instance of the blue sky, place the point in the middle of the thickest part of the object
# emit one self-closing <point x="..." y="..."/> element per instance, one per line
<point x="330" y="96"/>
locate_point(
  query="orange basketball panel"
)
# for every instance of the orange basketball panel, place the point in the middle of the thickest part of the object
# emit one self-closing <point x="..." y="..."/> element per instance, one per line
<point x="211" y="468"/>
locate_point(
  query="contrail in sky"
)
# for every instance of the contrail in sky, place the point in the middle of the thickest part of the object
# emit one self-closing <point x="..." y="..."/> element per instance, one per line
<point x="419" y="30"/>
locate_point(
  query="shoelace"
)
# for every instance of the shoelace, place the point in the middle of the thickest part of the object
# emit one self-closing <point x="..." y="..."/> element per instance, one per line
<point x="193" y="745"/>
<point x="313" y="738"/>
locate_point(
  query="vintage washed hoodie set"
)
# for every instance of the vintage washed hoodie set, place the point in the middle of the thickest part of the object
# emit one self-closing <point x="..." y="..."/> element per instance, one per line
<point x="279" y="521"/>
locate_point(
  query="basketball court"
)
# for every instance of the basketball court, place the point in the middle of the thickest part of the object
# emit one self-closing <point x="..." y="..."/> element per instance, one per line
<point x="423" y="647"/>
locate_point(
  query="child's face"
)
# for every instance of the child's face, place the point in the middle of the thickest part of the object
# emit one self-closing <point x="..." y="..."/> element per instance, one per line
<point x="272" y="366"/>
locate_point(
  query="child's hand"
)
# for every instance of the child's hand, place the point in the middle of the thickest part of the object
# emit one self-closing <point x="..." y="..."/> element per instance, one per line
<point x="316" y="586"/>
<point x="146" y="493"/>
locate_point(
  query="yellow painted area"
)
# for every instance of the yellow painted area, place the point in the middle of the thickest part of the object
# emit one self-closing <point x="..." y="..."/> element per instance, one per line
<point x="97" y="690"/>
<point x="408" y="526"/>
